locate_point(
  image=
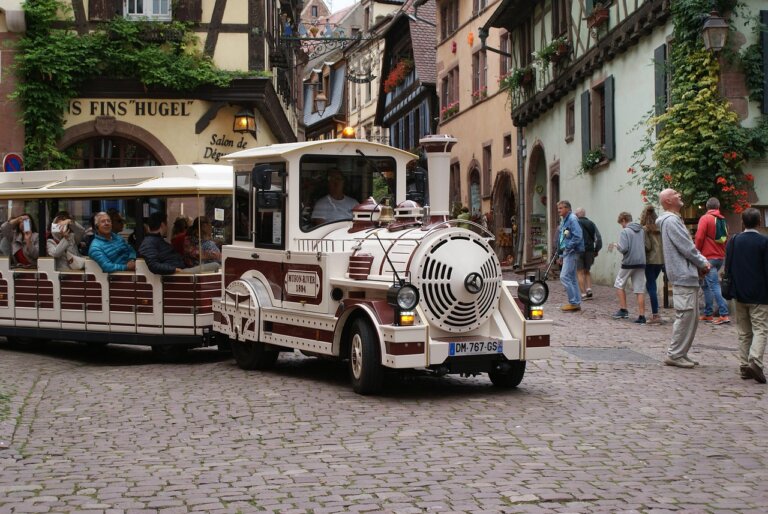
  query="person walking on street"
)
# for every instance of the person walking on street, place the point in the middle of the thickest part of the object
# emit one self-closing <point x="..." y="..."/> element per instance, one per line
<point x="654" y="260"/>
<point x="747" y="265"/>
<point x="684" y="264"/>
<point x="569" y="243"/>
<point x="593" y="243"/>
<point x="711" y="236"/>
<point x="632" y="247"/>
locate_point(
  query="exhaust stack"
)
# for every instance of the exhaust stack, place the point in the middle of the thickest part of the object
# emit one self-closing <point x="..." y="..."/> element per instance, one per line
<point x="438" y="148"/>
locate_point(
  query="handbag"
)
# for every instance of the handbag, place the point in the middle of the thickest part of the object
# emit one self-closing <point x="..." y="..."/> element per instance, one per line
<point x="727" y="289"/>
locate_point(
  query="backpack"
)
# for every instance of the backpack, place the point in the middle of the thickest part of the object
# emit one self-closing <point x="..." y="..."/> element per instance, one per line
<point x="721" y="230"/>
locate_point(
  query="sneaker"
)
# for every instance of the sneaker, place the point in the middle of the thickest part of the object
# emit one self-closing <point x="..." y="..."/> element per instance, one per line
<point x="640" y="320"/>
<point x="706" y="318"/>
<point x="746" y="372"/>
<point x="757" y="371"/>
<point x="589" y="293"/>
<point x="688" y="359"/>
<point x="584" y="297"/>
<point x="722" y="320"/>
<point x="621" y="314"/>
<point x="655" y="320"/>
<point x="680" y="363"/>
<point x="570" y="307"/>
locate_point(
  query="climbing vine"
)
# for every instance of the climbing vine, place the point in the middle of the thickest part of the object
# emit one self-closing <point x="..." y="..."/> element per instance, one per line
<point x="53" y="62"/>
<point x="701" y="147"/>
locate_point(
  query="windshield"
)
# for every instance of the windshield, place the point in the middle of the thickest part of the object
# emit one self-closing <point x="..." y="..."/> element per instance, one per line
<point x="331" y="186"/>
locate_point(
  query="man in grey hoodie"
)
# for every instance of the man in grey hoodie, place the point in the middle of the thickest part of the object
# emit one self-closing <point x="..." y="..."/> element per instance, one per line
<point x="684" y="266"/>
<point x="632" y="246"/>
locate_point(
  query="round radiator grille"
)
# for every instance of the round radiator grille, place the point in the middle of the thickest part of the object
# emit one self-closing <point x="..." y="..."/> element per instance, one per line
<point x="460" y="282"/>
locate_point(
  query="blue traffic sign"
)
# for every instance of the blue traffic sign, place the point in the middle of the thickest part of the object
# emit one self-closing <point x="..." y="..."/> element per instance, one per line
<point x="13" y="162"/>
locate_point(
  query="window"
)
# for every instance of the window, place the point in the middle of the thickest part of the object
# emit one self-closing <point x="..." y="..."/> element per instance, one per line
<point x="486" y="182"/>
<point x="331" y="185"/>
<point x="454" y="189"/>
<point x="526" y="42"/>
<point x="155" y="9"/>
<point x="570" y="120"/>
<point x="449" y="94"/>
<point x="354" y="93"/>
<point x="561" y="10"/>
<point x="661" y="79"/>
<point x="478" y="6"/>
<point x="111" y="152"/>
<point x="368" y="87"/>
<point x="479" y="76"/>
<point x="314" y="11"/>
<point x="243" y="206"/>
<point x="597" y="119"/>
<point x="505" y="61"/>
<point x="367" y="20"/>
<point x="449" y="18"/>
<point x="507" y="144"/>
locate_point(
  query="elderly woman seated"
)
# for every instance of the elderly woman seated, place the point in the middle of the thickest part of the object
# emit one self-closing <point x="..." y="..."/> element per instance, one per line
<point x="63" y="243"/>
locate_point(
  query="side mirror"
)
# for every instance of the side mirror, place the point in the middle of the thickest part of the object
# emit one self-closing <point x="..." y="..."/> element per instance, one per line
<point x="261" y="176"/>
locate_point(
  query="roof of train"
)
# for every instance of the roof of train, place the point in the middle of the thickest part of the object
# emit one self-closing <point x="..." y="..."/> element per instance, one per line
<point x="190" y="179"/>
<point x="331" y="145"/>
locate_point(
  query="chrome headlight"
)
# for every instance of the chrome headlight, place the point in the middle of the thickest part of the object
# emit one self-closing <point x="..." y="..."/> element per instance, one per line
<point x="533" y="293"/>
<point x="404" y="297"/>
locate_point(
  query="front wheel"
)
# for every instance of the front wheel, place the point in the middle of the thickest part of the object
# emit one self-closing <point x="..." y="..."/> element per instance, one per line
<point x="365" y="359"/>
<point x="511" y="378"/>
<point x="250" y="355"/>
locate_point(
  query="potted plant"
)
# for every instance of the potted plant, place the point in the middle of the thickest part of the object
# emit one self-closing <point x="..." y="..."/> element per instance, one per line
<point x="591" y="160"/>
<point x="598" y="16"/>
<point x="562" y="49"/>
<point x="398" y="74"/>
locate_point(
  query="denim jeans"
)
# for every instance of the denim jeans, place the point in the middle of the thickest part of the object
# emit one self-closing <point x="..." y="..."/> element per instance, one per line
<point x="568" y="278"/>
<point x="711" y="288"/>
<point x="652" y="272"/>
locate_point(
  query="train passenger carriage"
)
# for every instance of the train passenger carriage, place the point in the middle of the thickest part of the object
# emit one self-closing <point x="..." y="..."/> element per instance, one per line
<point x="339" y="250"/>
<point x="168" y="312"/>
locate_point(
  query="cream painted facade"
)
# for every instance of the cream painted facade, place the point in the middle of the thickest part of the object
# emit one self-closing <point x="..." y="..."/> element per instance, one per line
<point x="481" y="125"/>
<point x="166" y="117"/>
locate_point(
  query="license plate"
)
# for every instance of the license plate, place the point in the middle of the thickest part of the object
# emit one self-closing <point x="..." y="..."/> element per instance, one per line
<point x="476" y="348"/>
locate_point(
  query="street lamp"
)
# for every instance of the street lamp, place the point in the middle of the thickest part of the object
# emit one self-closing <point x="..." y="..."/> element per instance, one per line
<point x="715" y="32"/>
<point x="245" y="122"/>
<point x="321" y="102"/>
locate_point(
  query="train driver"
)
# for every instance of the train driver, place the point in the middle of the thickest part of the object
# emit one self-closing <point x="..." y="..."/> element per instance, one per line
<point x="110" y="250"/>
<point x="335" y="205"/>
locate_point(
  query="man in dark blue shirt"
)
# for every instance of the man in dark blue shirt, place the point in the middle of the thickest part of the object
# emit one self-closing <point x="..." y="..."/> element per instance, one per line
<point x="746" y="262"/>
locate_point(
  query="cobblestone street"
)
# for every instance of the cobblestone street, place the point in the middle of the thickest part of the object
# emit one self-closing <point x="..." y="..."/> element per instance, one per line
<point x="602" y="426"/>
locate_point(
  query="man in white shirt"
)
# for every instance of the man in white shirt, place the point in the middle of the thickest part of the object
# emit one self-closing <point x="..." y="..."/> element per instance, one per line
<point x="335" y="205"/>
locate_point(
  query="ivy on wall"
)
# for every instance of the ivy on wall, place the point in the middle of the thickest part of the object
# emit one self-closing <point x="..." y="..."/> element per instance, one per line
<point x="53" y="63"/>
<point x="701" y="146"/>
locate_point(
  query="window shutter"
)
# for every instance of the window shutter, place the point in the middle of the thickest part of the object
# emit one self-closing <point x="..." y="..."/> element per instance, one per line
<point x="588" y="6"/>
<point x="610" y="130"/>
<point x="101" y="10"/>
<point x="764" y="44"/>
<point x="660" y="78"/>
<point x="585" y="128"/>
<point x="188" y="10"/>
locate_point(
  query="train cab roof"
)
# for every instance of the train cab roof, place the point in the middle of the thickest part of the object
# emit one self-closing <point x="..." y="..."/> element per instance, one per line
<point x="136" y="181"/>
<point x="336" y="146"/>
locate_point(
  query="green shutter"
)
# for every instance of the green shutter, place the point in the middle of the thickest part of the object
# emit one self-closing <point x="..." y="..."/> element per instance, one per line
<point x="610" y="122"/>
<point x="764" y="45"/>
<point x="586" y="130"/>
<point x="588" y="6"/>
<point x="188" y="10"/>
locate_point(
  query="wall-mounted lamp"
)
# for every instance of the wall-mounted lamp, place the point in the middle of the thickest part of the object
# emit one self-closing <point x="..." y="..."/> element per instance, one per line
<point x="321" y="102"/>
<point x="715" y="32"/>
<point x="245" y="122"/>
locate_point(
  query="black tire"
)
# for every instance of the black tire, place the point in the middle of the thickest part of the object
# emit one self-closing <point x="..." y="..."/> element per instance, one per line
<point x="365" y="369"/>
<point x="223" y="344"/>
<point x="250" y="355"/>
<point x="509" y="379"/>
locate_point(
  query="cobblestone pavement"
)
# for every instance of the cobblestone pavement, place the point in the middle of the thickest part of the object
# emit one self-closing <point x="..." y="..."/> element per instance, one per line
<point x="602" y="426"/>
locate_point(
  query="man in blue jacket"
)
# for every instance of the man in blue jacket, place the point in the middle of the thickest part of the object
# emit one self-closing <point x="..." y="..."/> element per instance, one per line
<point x="746" y="261"/>
<point x="108" y="249"/>
<point x="570" y="244"/>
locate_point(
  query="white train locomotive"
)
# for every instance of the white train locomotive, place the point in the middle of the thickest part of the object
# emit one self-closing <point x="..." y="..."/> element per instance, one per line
<point x="405" y="290"/>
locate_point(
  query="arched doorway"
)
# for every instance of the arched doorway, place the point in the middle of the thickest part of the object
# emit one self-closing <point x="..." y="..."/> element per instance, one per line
<point x="504" y="220"/>
<point x="111" y="152"/>
<point x="475" y="201"/>
<point x="536" y="240"/>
